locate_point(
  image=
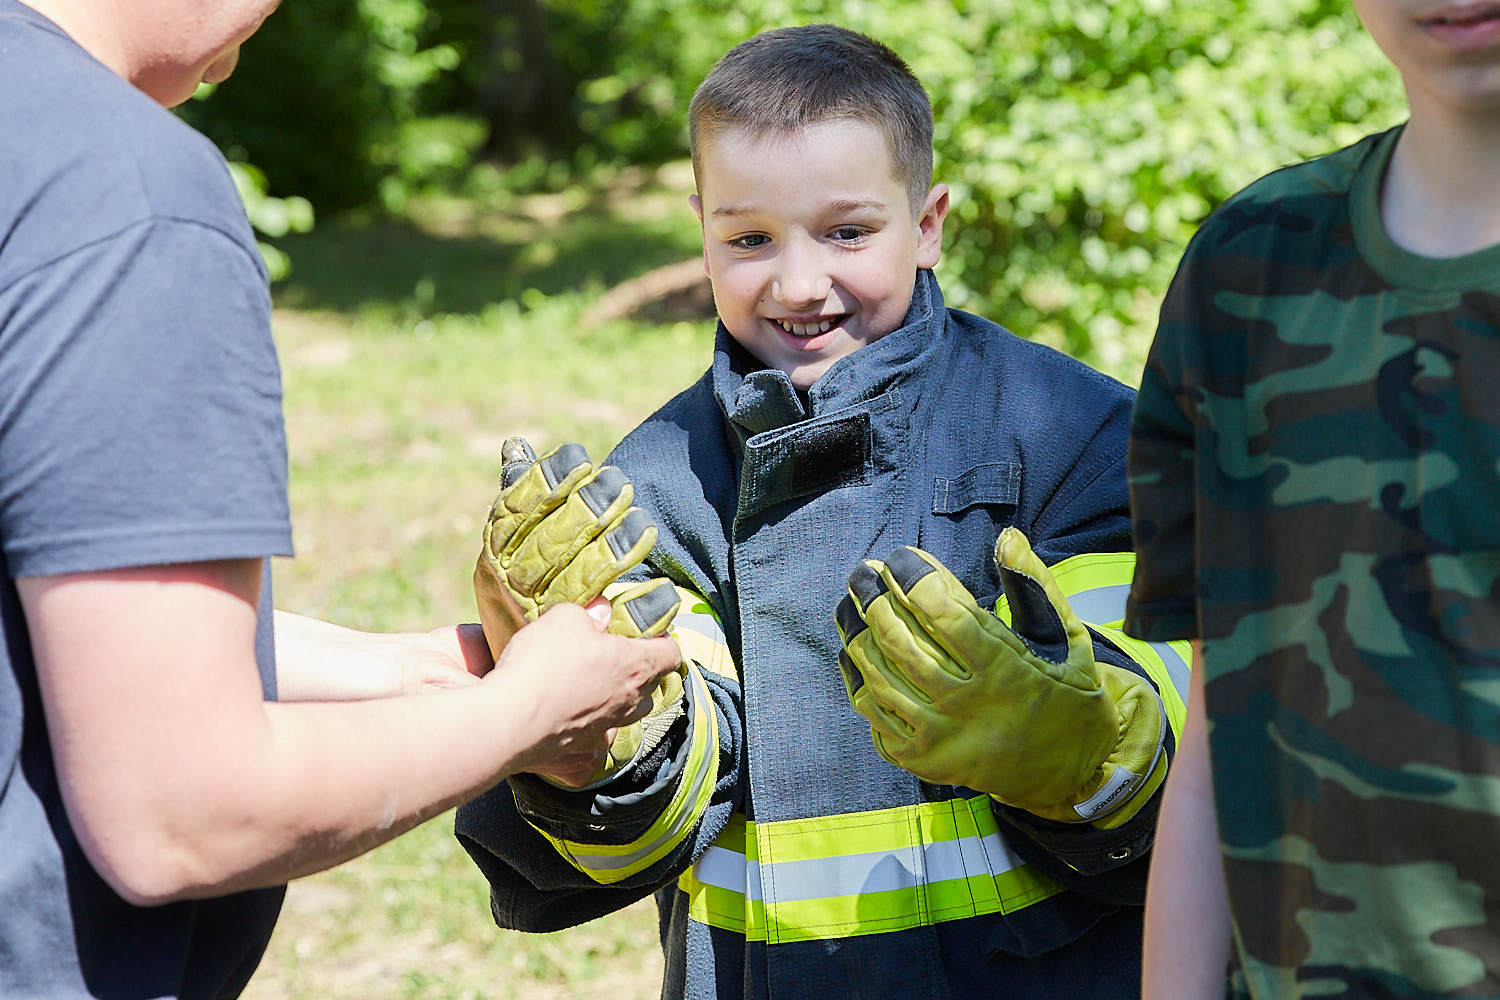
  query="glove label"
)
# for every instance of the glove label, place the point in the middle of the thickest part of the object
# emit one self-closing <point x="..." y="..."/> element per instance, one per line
<point x="1110" y="794"/>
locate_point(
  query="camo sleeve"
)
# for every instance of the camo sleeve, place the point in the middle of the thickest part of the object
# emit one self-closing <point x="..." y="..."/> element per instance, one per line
<point x="1163" y="602"/>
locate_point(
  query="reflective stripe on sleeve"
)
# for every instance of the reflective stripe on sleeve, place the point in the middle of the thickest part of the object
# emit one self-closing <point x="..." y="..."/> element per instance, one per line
<point x="1096" y="585"/>
<point x="610" y="863"/>
<point x="701" y="637"/>
<point x="860" y="873"/>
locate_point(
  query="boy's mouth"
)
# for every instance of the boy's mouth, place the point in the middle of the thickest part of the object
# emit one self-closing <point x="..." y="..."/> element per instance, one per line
<point x="1460" y="17"/>
<point x="812" y="328"/>
<point x="1464" y="14"/>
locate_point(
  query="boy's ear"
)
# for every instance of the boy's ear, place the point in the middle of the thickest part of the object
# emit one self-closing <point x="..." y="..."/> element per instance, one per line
<point x="697" y="206"/>
<point x="930" y="226"/>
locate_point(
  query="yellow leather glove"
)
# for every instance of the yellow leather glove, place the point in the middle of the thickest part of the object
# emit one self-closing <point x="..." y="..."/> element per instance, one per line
<point x="561" y="531"/>
<point x="1028" y="716"/>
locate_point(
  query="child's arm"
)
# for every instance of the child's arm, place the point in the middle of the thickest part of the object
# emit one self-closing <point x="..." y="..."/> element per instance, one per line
<point x="1187" y="908"/>
<point x="577" y="838"/>
<point x="556" y="857"/>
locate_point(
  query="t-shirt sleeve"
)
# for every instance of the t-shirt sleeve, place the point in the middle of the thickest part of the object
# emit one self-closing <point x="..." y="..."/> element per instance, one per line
<point x="140" y="405"/>
<point x="1163" y="603"/>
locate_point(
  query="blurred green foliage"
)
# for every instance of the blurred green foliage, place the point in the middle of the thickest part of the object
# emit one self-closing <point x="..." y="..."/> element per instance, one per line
<point x="325" y="101"/>
<point x="273" y="217"/>
<point x="1083" y="140"/>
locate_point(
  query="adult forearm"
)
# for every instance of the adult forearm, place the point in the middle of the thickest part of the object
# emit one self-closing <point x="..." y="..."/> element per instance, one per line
<point x="1187" y="909"/>
<point x="180" y="780"/>
<point x="320" y="661"/>
<point x="323" y="783"/>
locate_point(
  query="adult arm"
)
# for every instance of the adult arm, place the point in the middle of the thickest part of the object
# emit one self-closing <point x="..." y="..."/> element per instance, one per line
<point x="1187" y="908"/>
<point x="181" y="782"/>
<point x="320" y="661"/>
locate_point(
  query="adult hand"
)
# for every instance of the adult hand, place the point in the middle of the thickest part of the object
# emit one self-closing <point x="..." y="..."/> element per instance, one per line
<point x="320" y="661"/>
<point x="446" y="657"/>
<point x="581" y="683"/>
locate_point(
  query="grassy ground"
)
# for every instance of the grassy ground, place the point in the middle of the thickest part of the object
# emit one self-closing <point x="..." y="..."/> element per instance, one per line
<point x="409" y="351"/>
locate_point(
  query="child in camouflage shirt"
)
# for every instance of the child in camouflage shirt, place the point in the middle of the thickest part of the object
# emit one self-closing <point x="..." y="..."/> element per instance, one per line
<point x="1313" y="467"/>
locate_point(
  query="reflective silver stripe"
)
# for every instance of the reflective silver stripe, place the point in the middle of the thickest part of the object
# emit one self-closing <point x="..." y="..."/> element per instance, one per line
<point x="704" y="624"/>
<point x="1101" y="605"/>
<point x="706" y="771"/>
<point x="1177" y="668"/>
<point x="853" y="874"/>
<point x="729" y="870"/>
<point x="1105" y="606"/>
<point x="680" y="815"/>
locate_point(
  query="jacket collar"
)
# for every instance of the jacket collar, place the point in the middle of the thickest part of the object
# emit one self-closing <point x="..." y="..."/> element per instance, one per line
<point x="756" y="399"/>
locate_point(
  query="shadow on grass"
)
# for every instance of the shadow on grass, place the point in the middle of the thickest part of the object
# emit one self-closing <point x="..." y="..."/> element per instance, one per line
<point x="394" y="264"/>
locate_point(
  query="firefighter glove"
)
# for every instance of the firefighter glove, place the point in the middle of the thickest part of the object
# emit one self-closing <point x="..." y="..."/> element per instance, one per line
<point x="559" y="532"/>
<point x="1024" y="713"/>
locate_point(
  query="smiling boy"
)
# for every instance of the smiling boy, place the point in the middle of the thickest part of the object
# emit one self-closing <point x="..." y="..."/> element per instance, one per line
<point x="951" y="835"/>
<point x="810" y="240"/>
<point x="1313" y="465"/>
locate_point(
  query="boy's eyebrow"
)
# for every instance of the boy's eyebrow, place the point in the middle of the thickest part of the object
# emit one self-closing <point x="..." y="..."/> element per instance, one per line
<point x="840" y="207"/>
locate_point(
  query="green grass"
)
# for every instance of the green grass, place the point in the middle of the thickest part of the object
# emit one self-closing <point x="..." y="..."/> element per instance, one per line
<point x="398" y="395"/>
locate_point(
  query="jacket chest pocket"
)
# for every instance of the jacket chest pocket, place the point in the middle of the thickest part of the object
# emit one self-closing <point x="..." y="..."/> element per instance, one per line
<point x="968" y="513"/>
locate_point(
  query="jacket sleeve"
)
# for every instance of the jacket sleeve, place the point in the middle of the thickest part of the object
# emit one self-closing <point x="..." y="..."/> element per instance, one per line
<point x="556" y="857"/>
<point x="1083" y="534"/>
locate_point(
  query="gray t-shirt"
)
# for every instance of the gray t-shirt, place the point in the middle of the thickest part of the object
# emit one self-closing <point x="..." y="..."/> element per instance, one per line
<point x="140" y="424"/>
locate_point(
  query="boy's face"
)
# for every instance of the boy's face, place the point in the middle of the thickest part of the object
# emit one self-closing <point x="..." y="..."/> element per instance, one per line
<point x="1448" y="51"/>
<point x="810" y="241"/>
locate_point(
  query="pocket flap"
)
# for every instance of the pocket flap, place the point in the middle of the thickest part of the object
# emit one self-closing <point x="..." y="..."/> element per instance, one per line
<point x="992" y="483"/>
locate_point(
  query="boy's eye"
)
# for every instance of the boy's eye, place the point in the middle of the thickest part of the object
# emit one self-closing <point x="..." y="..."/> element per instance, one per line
<point x="848" y="234"/>
<point x="750" y="241"/>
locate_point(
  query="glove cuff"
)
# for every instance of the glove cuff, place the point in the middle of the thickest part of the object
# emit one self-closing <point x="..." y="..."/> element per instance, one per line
<point x="1137" y="766"/>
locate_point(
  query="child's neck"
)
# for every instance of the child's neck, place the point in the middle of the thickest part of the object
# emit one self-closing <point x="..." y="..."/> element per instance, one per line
<point x="1440" y="197"/>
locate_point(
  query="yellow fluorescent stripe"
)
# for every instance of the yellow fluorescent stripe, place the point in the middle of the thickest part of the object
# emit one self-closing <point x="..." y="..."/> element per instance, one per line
<point x="610" y="863"/>
<point x="1096" y="584"/>
<point x="890" y="869"/>
<point x="700" y="636"/>
<point x="1146" y="654"/>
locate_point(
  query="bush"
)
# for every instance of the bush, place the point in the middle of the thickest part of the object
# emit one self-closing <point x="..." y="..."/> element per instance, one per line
<point x="1083" y="140"/>
<point x="321" y="97"/>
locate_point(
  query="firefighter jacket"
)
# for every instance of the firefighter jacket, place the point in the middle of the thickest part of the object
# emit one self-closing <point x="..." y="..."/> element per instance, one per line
<point x="790" y="861"/>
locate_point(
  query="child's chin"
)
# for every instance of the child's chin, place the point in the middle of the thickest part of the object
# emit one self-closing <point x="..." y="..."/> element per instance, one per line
<point x="803" y="376"/>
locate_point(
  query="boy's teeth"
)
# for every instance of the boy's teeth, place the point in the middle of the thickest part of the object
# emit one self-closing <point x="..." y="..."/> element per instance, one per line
<point x="806" y="329"/>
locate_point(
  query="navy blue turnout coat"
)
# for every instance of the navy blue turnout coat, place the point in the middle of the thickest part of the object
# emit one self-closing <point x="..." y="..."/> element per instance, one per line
<point x="788" y="858"/>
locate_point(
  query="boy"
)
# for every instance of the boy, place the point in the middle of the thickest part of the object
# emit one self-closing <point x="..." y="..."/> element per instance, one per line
<point x="1313" y="460"/>
<point x="849" y="415"/>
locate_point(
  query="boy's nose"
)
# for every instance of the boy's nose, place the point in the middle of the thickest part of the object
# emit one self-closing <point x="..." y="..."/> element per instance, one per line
<point x="802" y="277"/>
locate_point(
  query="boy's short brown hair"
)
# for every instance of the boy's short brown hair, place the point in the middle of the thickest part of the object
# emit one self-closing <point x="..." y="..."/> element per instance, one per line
<point x="789" y="78"/>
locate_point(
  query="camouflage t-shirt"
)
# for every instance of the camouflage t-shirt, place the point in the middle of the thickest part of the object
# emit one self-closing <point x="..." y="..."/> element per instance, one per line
<point x="1315" y="475"/>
